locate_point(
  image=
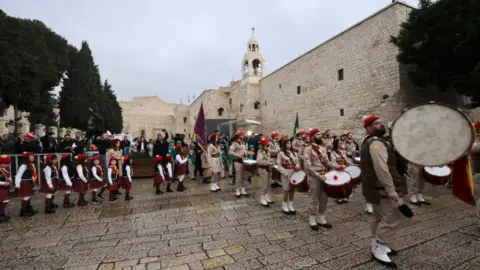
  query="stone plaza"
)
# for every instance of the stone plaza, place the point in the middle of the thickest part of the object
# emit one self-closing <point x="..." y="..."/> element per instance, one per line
<point x="197" y="229"/>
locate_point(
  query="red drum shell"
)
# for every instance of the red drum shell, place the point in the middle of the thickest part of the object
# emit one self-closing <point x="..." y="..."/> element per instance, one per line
<point x="434" y="179"/>
<point x="338" y="191"/>
<point x="303" y="186"/>
<point x="250" y="168"/>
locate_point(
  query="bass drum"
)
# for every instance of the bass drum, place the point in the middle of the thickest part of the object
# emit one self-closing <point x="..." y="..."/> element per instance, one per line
<point x="299" y="181"/>
<point x="432" y="134"/>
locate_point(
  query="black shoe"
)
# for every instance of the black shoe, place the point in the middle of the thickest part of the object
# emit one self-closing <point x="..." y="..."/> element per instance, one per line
<point x="95" y="202"/>
<point x="25" y="213"/>
<point x="326" y="225"/>
<point x="158" y="192"/>
<point x="49" y="210"/>
<point x="416" y="203"/>
<point x="31" y="210"/>
<point x="4" y="218"/>
<point x="100" y="197"/>
<point x="68" y="204"/>
<point x="426" y="203"/>
<point x="339" y="201"/>
<point x="314" y="227"/>
<point x="118" y="192"/>
<point x="391" y="265"/>
<point x="206" y="180"/>
<point x="392" y="252"/>
<point x="82" y="203"/>
<point x="368" y="213"/>
<point x="128" y="198"/>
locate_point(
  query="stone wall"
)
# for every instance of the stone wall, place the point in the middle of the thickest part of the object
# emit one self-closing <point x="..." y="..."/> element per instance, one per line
<point x="370" y="73"/>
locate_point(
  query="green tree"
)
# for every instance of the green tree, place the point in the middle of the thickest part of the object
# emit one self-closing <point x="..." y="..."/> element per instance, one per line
<point x="80" y="90"/>
<point x="33" y="59"/>
<point x="112" y="111"/>
<point x="439" y="46"/>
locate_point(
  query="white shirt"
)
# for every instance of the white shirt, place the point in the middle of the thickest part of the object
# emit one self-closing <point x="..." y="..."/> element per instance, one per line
<point x="80" y="174"/>
<point x="65" y="175"/>
<point x="48" y="176"/>
<point x="129" y="172"/>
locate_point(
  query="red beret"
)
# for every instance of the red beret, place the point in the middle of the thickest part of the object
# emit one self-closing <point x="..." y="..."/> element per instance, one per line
<point x="64" y="156"/>
<point x="27" y="154"/>
<point x="240" y="133"/>
<point x="264" y="141"/>
<point x="4" y="159"/>
<point x="313" y="132"/>
<point x="81" y="157"/>
<point x="477" y="125"/>
<point x="369" y="120"/>
<point x="274" y="134"/>
<point x="158" y="158"/>
<point x="284" y="141"/>
<point x="49" y="157"/>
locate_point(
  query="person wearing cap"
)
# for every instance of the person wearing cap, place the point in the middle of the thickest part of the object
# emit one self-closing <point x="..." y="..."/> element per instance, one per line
<point x="238" y="151"/>
<point x="214" y="161"/>
<point x="191" y="161"/>
<point x="316" y="165"/>
<point x="338" y="158"/>
<point x="25" y="178"/>
<point x="264" y="163"/>
<point x="66" y="179"/>
<point x="287" y="162"/>
<point x="50" y="185"/>
<point x="475" y="166"/>
<point x="81" y="178"/>
<point x="383" y="189"/>
<point x="181" y="158"/>
<point x="159" y="174"/>
<point x="167" y="164"/>
<point x="96" y="180"/>
<point x="328" y="139"/>
<point x="274" y="149"/>
<point x="5" y="180"/>
<point x="223" y="154"/>
<point x="126" y="179"/>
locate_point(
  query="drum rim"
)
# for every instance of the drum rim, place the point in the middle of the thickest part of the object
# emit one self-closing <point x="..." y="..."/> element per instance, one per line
<point x="448" y="167"/>
<point x="472" y="130"/>
<point x="346" y="173"/>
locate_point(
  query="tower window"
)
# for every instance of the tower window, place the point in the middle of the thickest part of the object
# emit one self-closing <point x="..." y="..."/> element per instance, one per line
<point x="341" y="112"/>
<point x="256" y="105"/>
<point x="230" y="101"/>
<point x="241" y="107"/>
<point x="265" y="103"/>
<point x="142" y="133"/>
<point x="220" y="111"/>
<point x="253" y="47"/>
<point x="279" y="86"/>
<point x="184" y="120"/>
<point x="340" y="74"/>
<point x="298" y="90"/>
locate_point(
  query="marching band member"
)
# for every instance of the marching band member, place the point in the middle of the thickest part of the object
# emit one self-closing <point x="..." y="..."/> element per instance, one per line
<point x="50" y="185"/>
<point x="81" y="182"/>
<point x="351" y="147"/>
<point x="25" y="179"/>
<point x="339" y="158"/>
<point x="214" y="161"/>
<point x="287" y="164"/>
<point x="191" y="162"/>
<point x="317" y="164"/>
<point x="66" y="179"/>
<point x="181" y="159"/>
<point x="159" y="175"/>
<point x="112" y="176"/>
<point x="264" y="162"/>
<point x="5" y="180"/>
<point x="96" y="180"/>
<point x="381" y="188"/>
<point x="273" y="149"/>
<point x="126" y="180"/>
<point x="167" y="161"/>
<point x="206" y="167"/>
<point x="238" y="151"/>
<point x="416" y="184"/>
<point x="250" y="156"/>
<point x="328" y="139"/>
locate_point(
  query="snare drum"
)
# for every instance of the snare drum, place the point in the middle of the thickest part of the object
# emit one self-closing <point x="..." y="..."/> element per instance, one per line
<point x="437" y="175"/>
<point x="276" y="175"/>
<point x="250" y="166"/>
<point x="354" y="172"/>
<point x="338" y="185"/>
<point x="299" y="181"/>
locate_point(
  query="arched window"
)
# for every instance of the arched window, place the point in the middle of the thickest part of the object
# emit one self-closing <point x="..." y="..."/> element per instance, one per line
<point x="256" y="105"/>
<point x="220" y="111"/>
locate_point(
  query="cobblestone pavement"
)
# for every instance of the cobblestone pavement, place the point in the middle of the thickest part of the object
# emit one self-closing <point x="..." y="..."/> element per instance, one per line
<point x="199" y="230"/>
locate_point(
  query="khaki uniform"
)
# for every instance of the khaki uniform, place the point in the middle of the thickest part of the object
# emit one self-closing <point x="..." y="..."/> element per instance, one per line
<point x="264" y="161"/>
<point x="316" y="164"/>
<point x="335" y="157"/>
<point x="273" y="149"/>
<point x="286" y="164"/>
<point x="238" y="150"/>
<point x="207" y="168"/>
<point x="380" y="177"/>
<point x="416" y="181"/>
<point x="328" y="142"/>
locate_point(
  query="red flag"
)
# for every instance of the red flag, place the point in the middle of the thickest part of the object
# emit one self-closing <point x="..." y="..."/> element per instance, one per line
<point x="200" y="129"/>
<point x="462" y="180"/>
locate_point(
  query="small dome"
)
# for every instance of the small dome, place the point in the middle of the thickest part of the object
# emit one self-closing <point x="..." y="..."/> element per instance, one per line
<point x="253" y="39"/>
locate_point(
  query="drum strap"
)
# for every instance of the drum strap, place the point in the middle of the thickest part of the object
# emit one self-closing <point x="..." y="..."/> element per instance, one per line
<point x="316" y="149"/>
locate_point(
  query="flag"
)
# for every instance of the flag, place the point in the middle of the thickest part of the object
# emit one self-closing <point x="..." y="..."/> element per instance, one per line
<point x="462" y="180"/>
<point x="200" y="129"/>
<point x="296" y="126"/>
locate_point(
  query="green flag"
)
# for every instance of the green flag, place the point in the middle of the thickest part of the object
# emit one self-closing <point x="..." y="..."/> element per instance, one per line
<point x="296" y="126"/>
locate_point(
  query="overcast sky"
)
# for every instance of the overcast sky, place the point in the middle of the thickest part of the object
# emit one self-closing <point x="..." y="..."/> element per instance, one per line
<point x="173" y="48"/>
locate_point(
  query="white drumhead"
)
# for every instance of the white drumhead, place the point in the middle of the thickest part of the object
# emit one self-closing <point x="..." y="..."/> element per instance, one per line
<point x="297" y="177"/>
<point x="354" y="171"/>
<point x="336" y="178"/>
<point x="275" y="167"/>
<point x="439" y="171"/>
<point x="357" y="159"/>
<point x="432" y="134"/>
<point x="249" y="161"/>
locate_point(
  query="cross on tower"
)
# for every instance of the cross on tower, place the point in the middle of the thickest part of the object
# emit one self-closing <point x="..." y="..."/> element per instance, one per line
<point x="253" y="30"/>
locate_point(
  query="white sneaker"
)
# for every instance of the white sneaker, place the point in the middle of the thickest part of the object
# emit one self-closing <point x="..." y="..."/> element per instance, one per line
<point x="213" y="187"/>
<point x="267" y="198"/>
<point x="420" y="197"/>
<point x="237" y="192"/>
<point x="285" y="208"/>
<point x="313" y="221"/>
<point x="322" y="220"/>
<point x="243" y="192"/>
<point x="217" y="187"/>
<point x="369" y="208"/>
<point x="379" y="253"/>
<point x="263" y="201"/>
<point x="413" y="199"/>
<point x="290" y="207"/>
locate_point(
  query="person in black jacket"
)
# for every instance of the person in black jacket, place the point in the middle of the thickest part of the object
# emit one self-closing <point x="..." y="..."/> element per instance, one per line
<point x="31" y="144"/>
<point x="161" y="145"/>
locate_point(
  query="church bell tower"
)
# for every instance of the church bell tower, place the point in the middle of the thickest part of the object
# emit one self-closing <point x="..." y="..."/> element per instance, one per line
<point x="253" y="63"/>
